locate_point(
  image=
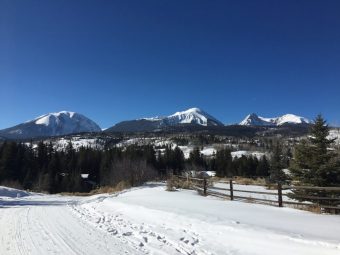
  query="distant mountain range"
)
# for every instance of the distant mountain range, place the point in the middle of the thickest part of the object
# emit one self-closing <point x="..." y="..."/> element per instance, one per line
<point x="64" y="123"/>
<point x="255" y="120"/>
<point x="52" y="124"/>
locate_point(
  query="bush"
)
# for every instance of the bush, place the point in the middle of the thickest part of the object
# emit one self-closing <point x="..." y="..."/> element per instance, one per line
<point x="171" y="184"/>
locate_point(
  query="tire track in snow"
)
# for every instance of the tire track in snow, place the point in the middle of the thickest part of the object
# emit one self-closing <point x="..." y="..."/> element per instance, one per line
<point x="52" y="229"/>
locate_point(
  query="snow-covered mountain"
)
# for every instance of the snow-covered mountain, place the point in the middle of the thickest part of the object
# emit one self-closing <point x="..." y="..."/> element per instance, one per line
<point x="192" y="116"/>
<point x="52" y="124"/>
<point x="255" y="120"/>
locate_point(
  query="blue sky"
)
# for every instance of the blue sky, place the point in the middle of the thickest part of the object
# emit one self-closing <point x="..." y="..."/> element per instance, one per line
<point x="119" y="60"/>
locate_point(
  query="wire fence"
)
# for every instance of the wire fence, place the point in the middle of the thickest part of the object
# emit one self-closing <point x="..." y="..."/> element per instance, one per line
<point x="278" y="195"/>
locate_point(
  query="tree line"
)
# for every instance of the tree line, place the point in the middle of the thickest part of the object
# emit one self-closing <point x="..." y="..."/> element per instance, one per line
<point x="42" y="168"/>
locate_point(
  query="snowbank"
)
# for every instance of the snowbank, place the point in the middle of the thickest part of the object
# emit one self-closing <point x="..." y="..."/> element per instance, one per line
<point x="10" y="192"/>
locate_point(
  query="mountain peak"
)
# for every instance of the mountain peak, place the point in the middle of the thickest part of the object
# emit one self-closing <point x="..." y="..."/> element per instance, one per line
<point x="52" y="124"/>
<point x="188" y="111"/>
<point x="254" y="120"/>
<point x="193" y="116"/>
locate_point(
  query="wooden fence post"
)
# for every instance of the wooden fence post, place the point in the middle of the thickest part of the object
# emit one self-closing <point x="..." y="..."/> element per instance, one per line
<point x="279" y="191"/>
<point x="231" y="189"/>
<point x="205" y="186"/>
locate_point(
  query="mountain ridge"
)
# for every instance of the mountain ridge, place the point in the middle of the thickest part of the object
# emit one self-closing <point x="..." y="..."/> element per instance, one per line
<point x="68" y="122"/>
<point x="255" y="120"/>
<point x="192" y="116"/>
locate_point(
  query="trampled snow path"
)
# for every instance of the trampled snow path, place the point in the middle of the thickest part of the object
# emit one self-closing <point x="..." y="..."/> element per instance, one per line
<point x="149" y="220"/>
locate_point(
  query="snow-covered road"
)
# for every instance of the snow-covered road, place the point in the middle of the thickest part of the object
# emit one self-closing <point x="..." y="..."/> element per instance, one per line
<point x="46" y="225"/>
<point x="149" y="220"/>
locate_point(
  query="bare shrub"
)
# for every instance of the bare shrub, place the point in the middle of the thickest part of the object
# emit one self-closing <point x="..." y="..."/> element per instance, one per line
<point x="170" y="184"/>
<point x="111" y="189"/>
<point x="11" y="184"/>
<point x="250" y="181"/>
<point x="133" y="172"/>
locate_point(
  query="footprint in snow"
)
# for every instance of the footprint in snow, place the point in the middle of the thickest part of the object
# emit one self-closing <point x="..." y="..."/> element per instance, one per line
<point x="195" y="242"/>
<point x="113" y="231"/>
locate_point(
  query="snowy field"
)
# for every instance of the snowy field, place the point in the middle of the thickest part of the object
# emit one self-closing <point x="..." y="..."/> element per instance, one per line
<point x="149" y="220"/>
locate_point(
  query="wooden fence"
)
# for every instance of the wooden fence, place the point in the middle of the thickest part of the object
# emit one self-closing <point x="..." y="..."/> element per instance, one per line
<point x="205" y="187"/>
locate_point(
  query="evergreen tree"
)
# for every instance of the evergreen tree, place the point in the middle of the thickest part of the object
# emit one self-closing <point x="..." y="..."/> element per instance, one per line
<point x="9" y="168"/>
<point x="263" y="167"/>
<point x="277" y="164"/>
<point x="223" y="163"/>
<point x="314" y="164"/>
<point x="196" y="159"/>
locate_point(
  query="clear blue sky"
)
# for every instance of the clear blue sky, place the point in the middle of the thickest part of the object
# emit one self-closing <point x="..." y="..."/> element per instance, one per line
<point x="118" y="60"/>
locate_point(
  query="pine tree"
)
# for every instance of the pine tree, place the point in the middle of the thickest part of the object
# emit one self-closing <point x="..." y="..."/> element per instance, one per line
<point x="223" y="163"/>
<point x="196" y="159"/>
<point x="277" y="164"/>
<point x="314" y="164"/>
<point x="263" y="167"/>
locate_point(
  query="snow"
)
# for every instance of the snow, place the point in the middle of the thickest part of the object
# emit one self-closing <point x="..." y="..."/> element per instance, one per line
<point x="16" y="131"/>
<point x="152" y="118"/>
<point x="45" y="119"/>
<point x="150" y="220"/>
<point x="208" y="151"/>
<point x="239" y="154"/>
<point x="77" y="143"/>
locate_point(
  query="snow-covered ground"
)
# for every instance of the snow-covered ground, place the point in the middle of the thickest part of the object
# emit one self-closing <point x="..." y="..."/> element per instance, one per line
<point x="150" y="220"/>
<point x="239" y="154"/>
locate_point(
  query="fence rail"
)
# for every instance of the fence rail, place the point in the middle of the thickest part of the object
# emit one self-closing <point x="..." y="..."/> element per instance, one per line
<point x="203" y="186"/>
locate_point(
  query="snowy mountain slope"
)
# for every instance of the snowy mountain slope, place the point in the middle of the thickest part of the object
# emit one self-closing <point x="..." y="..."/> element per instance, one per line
<point x="52" y="124"/>
<point x="192" y="116"/>
<point x="255" y="120"/>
